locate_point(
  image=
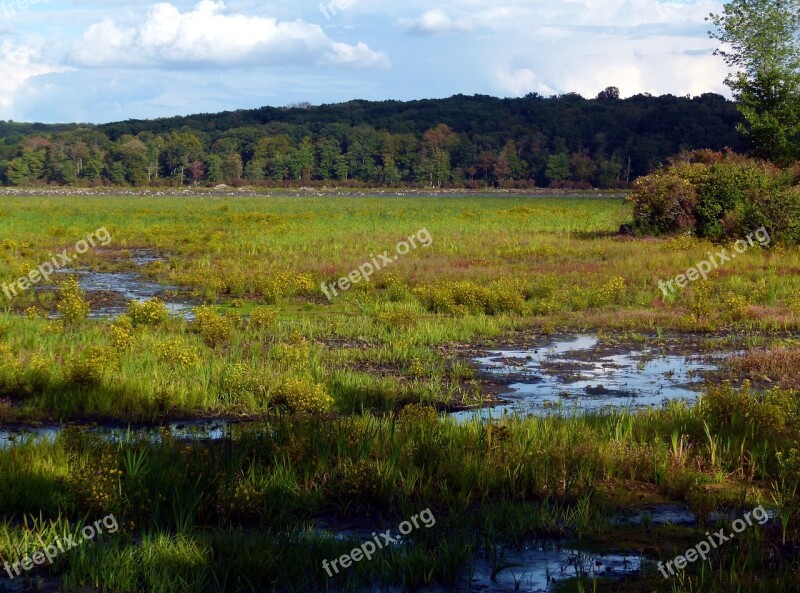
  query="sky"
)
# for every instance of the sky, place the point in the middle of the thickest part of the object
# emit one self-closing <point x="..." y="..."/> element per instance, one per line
<point x="95" y="61"/>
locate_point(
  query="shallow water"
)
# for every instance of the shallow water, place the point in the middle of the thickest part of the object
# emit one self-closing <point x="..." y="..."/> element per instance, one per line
<point x="576" y="374"/>
<point x="530" y="569"/>
<point x="535" y="568"/>
<point x="213" y="430"/>
<point x="131" y="286"/>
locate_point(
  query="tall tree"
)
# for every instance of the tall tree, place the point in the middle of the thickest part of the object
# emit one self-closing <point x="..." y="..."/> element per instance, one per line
<point x="761" y="45"/>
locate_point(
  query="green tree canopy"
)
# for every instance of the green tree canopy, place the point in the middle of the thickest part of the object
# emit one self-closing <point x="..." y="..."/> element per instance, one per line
<point x="761" y="46"/>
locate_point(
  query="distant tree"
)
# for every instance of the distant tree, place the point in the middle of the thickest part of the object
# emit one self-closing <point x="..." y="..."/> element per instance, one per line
<point x="232" y="168"/>
<point x="557" y="167"/>
<point x="93" y="167"/>
<point x="116" y="173"/>
<point x="197" y="171"/>
<point x="434" y="158"/>
<point x="485" y="163"/>
<point x="254" y="171"/>
<point x="18" y="172"/>
<point x="761" y="43"/>
<point x="181" y="149"/>
<point x="327" y="151"/>
<point x="582" y="165"/>
<point x="610" y="93"/>
<point x="214" y="171"/>
<point x="276" y="152"/>
<point x="511" y="154"/>
<point x="301" y="160"/>
<point x="132" y="152"/>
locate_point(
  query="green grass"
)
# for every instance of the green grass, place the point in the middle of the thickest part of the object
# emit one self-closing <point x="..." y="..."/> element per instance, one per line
<point x="347" y="393"/>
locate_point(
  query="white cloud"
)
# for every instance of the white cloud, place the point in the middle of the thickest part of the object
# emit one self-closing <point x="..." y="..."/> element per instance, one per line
<point x="657" y="64"/>
<point x="208" y="36"/>
<point x="18" y="65"/>
<point x="434" y="22"/>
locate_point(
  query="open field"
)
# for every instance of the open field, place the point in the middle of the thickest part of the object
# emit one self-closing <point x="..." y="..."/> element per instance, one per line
<point x="340" y="411"/>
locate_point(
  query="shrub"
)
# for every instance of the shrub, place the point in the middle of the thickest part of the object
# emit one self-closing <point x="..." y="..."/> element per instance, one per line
<point x="779" y="211"/>
<point x="772" y="412"/>
<point x="263" y="318"/>
<point x="122" y="338"/>
<point x="277" y="284"/>
<point x="71" y="305"/>
<point x="37" y="374"/>
<point x="716" y="196"/>
<point x="240" y="382"/>
<point x="289" y="356"/>
<point x="9" y="369"/>
<point x="152" y="312"/>
<point x="463" y="298"/>
<point x="176" y="352"/>
<point x="304" y="396"/>
<point x="91" y="366"/>
<point x="663" y="203"/>
<point x="398" y="317"/>
<point x="215" y="329"/>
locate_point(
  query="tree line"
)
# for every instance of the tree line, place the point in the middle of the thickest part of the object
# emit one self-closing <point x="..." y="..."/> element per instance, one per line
<point x="479" y="141"/>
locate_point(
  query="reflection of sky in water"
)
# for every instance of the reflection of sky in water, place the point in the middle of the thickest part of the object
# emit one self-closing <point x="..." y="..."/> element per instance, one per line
<point x="531" y="569"/>
<point x="197" y="430"/>
<point x="130" y="285"/>
<point x="568" y="375"/>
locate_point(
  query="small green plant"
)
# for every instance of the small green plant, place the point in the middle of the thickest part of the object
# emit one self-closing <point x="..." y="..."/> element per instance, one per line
<point x="71" y="304"/>
<point x="263" y="318"/>
<point x="91" y="366"/>
<point x="215" y="329"/>
<point x="152" y="312"/>
<point x="300" y="395"/>
<point x="122" y="336"/>
<point x="176" y="352"/>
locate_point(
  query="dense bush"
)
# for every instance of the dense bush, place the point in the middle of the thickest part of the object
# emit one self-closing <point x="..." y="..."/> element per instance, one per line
<point x="718" y="196"/>
<point x="152" y="312"/>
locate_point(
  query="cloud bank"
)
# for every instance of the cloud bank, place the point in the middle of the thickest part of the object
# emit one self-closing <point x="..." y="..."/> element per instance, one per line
<point x="208" y="36"/>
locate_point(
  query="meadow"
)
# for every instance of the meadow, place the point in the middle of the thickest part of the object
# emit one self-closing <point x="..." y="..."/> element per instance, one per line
<point x="341" y="407"/>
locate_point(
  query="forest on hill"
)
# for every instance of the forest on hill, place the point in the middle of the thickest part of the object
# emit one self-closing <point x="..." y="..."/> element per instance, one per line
<point x="565" y="141"/>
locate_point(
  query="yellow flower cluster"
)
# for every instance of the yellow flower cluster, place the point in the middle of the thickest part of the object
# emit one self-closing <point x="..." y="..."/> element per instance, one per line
<point x="399" y="318"/>
<point x="702" y="303"/>
<point x="90" y="367"/>
<point x="152" y="312"/>
<point x="416" y="368"/>
<point x="9" y="368"/>
<point x="178" y="353"/>
<point x="736" y="307"/>
<point x="96" y="485"/>
<point x="263" y="318"/>
<point x="215" y="329"/>
<point x="300" y="395"/>
<point x="122" y="338"/>
<point x="463" y="298"/>
<point x="681" y="243"/>
<point x="71" y="306"/>
<point x="291" y="355"/>
<point x="609" y="293"/>
<point x="279" y="284"/>
<point x="241" y="382"/>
